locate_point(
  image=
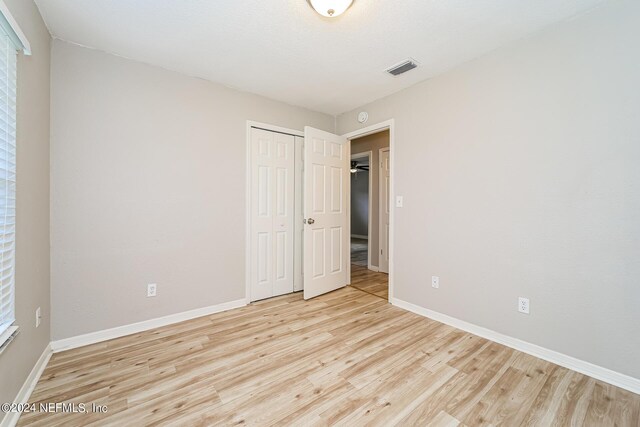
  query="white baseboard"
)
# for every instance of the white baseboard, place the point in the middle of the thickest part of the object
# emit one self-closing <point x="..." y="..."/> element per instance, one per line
<point x="598" y="372"/>
<point x="373" y="268"/>
<point x="11" y="419"/>
<point x="134" y="328"/>
<point x="360" y="236"/>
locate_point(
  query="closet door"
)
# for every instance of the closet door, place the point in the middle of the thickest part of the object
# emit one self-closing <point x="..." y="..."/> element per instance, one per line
<point x="272" y="214"/>
<point x="298" y="266"/>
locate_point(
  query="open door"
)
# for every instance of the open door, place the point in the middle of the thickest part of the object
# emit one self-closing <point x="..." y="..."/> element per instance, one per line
<point x="326" y="228"/>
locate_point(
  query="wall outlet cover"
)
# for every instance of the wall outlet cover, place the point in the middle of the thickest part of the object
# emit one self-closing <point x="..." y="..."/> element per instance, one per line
<point x="523" y="305"/>
<point x="152" y="289"/>
<point x="38" y="317"/>
<point x="435" y="282"/>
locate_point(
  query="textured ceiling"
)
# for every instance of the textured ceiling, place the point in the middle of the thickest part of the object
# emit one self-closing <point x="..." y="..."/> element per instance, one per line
<point x="283" y="50"/>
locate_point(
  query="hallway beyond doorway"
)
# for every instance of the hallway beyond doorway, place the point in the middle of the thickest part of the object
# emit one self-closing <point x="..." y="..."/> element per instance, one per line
<point x="359" y="251"/>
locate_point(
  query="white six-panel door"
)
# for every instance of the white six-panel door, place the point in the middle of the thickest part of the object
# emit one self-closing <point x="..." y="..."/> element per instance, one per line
<point x="272" y="214"/>
<point x="299" y="215"/>
<point x="326" y="232"/>
<point x="385" y="206"/>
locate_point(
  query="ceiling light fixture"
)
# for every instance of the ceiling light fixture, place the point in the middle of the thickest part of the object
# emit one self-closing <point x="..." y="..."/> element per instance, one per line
<point x="330" y="8"/>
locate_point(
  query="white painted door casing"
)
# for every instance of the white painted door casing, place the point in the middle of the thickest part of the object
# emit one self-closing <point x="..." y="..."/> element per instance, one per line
<point x="385" y="207"/>
<point x="326" y="190"/>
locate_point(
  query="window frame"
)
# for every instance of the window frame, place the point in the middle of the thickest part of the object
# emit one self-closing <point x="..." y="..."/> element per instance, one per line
<point x="17" y="40"/>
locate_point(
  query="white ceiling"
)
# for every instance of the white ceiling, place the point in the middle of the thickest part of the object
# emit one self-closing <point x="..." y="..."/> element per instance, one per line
<point x="283" y="50"/>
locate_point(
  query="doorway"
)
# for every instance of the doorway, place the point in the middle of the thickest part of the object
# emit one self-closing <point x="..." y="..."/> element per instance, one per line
<point x="361" y="208"/>
<point x="274" y="261"/>
<point x="308" y="247"/>
<point x="370" y="185"/>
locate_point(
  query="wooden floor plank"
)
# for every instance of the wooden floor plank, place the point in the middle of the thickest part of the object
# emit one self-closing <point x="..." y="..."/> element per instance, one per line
<point x="369" y="281"/>
<point x="345" y="358"/>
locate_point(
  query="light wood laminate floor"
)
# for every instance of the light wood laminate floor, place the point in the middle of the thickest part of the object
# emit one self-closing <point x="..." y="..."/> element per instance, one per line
<point x="346" y="358"/>
<point x="370" y="281"/>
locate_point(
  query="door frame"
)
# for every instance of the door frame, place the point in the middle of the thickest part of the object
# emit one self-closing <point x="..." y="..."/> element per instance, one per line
<point x="247" y="237"/>
<point x="382" y="126"/>
<point x="380" y="205"/>
<point x="360" y="155"/>
<point x="378" y="127"/>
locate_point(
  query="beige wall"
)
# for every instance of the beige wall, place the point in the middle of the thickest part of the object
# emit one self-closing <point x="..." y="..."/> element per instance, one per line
<point x="520" y="177"/>
<point x="373" y="143"/>
<point x="148" y="186"/>
<point x="32" y="234"/>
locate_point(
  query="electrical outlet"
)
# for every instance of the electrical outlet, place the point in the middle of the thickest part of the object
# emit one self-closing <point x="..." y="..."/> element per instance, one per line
<point x="38" y="317"/>
<point x="151" y="289"/>
<point x="435" y="282"/>
<point x="523" y="305"/>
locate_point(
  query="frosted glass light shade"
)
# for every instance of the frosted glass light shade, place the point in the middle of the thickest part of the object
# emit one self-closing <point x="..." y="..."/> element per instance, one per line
<point x="330" y="8"/>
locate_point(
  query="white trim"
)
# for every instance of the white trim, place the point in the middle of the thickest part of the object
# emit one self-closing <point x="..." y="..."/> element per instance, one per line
<point x="387" y="124"/>
<point x="359" y="133"/>
<point x="373" y="268"/>
<point x="134" y="328"/>
<point x="15" y="32"/>
<point x="381" y="207"/>
<point x="273" y="128"/>
<point x="7" y="336"/>
<point x="369" y="155"/>
<point x="594" y="371"/>
<point x="347" y="144"/>
<point x="11" y="418"/>
<point x="247" y="225"/>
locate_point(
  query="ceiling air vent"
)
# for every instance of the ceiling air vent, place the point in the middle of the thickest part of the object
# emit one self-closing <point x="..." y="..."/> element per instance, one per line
<point x="402" y="67"/>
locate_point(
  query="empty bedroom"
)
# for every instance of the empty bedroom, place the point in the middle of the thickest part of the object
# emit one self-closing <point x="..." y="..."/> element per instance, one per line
<point x="319" y="213"/>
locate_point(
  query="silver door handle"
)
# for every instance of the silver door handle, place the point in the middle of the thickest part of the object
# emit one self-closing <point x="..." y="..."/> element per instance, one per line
<point x="310" y="221"/>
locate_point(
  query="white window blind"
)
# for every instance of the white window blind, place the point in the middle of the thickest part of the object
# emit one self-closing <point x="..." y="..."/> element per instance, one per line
<point x="8" y="62"/>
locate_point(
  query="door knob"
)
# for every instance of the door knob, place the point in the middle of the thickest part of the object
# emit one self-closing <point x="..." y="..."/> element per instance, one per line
<point x="310" y="221"/>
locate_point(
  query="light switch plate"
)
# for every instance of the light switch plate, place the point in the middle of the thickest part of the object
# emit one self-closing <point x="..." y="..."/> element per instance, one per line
<point x="399" y="201"/>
